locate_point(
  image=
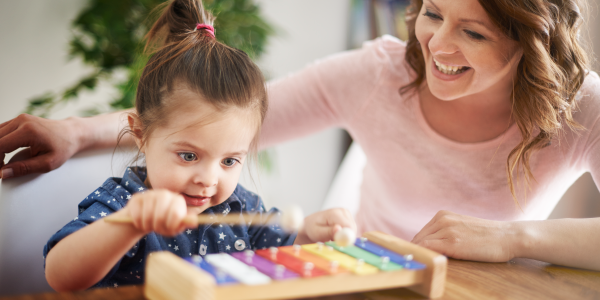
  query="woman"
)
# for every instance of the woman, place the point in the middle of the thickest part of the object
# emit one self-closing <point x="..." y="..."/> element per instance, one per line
<point x="473" y="129"/>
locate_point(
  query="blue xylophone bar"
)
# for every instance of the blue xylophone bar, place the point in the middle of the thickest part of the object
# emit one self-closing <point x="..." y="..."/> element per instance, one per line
<point x="405" y="261"/>
<point x="220" y="277"/>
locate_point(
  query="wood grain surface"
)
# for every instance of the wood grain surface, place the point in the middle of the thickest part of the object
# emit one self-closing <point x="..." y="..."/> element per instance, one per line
<point x="516" y="279"/>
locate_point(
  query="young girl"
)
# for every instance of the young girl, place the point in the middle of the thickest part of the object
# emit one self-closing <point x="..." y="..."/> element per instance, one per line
<point x="199" y="108"/>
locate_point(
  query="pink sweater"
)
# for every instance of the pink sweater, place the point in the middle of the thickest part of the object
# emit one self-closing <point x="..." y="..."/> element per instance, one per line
<point x="412" y="172"/>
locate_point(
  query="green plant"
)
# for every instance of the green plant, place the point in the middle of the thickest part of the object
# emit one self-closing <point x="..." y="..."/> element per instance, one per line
<point x="108" y="35"/>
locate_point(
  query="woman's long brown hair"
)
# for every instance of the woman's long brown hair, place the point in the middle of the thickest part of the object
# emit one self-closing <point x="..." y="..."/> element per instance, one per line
<point x="550" y="73"/>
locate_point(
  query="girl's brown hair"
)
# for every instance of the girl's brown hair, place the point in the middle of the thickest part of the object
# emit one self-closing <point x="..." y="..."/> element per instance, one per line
<point x="223" y="76"/>
<point x="550" y="73"/>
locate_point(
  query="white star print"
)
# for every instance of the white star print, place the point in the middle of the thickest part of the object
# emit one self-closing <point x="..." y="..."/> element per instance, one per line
<point x="141" y="188"/>
<point x="97" y="193"/>
<point x="220" y="225"/>
<point x="108" y="201"/>
<point x="222" y="236"/>
<point x="75" y="218"/>
<point x="176" y="248"/>
<point x="279" y="240"/>
<point x="189" y="231"/>
<point x="228" y="248"/>
<point x="118" y="187"/>
<point x="93" y="217"/>
<point x="169" y="245"/>
<point x="128" y="197"/>
<point x="103" y="214"/>
<point x="126" y="183"/>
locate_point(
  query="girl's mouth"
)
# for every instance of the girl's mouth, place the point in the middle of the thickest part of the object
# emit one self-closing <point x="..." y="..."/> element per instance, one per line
<point x="195" y="200"/>
<point x="449" y="70"/>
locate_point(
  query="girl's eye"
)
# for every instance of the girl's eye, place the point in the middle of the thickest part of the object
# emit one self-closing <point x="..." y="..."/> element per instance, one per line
<point x="187" y="156"/>
<point x="229" y="162"/>
<point x="432" y="15"/>
<point x="475" y="35"/>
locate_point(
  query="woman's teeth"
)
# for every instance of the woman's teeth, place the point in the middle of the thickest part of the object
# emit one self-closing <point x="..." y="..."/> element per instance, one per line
<point x="450" y="70"/>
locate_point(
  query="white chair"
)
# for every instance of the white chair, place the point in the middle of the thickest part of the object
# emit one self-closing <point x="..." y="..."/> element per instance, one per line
<point x="34" y="207"/>
<point x="345" y="188"/>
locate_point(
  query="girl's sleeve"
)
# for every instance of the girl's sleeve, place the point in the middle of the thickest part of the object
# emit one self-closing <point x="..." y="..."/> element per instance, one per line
<point x="329" y="92"/>
<point x="99" y="204"/>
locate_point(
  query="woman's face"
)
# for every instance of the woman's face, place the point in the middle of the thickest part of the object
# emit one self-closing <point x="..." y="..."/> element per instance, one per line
<point x="465" y="54"/>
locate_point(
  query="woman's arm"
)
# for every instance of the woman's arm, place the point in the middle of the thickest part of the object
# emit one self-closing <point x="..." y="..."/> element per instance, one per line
<point x="52" y="142"/>
<point x="83" y="258"/>
<point x="567" y="242"/>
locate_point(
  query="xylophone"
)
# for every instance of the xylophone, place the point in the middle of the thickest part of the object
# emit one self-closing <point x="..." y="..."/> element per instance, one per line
<point x="375" y="261"/>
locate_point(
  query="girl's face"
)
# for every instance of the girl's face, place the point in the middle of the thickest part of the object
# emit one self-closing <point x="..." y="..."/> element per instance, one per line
<point x="465" y="53"/>
<point x="199" y="153"/>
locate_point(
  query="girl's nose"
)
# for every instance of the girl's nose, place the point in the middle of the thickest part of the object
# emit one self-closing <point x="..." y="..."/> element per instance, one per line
<point x="443" y="41"/>
<point x="207" y="176"/>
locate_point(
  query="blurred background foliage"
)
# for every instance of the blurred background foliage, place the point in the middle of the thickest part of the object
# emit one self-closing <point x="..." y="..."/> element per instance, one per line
<point x="108" y="35"/>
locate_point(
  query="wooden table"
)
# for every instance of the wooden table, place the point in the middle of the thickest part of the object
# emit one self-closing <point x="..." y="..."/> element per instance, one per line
<point x="516" y="279"/>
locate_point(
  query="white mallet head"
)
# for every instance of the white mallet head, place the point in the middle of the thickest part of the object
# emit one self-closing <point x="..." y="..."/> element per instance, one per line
<point x="345" y="237"/>
<point x="292" y="218"/>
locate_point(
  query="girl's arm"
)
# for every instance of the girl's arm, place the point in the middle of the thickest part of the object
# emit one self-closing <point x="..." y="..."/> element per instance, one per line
<point x="83" y="258"/>
<point x="53" y="142"/>
<point x="567" y="242"/>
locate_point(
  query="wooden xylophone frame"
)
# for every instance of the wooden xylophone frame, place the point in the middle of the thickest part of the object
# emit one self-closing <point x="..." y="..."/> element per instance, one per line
<point x="169" y="277"/>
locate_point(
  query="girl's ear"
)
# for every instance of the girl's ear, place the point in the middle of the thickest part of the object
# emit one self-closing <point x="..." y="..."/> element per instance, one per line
<point x="135" y="125"/>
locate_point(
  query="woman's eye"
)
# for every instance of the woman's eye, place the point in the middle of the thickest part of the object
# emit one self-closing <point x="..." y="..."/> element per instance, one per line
<point x="229" y="162"/>
<point x="432" y="15"/>
<point x="475" y="35"/>
<point x="187" y="156"/>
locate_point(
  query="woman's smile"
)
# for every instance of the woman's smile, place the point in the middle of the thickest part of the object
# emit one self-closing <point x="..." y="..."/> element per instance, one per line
<point x="447" y="72"/>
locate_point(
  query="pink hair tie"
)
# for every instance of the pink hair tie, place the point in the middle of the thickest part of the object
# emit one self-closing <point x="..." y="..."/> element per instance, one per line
<point x="209" y="29"/>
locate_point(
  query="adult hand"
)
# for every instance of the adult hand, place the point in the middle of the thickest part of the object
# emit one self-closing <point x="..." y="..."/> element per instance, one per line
<point x="50" y="143"/>
<point x="468" y="238"/>
<point x="322" y="226"/>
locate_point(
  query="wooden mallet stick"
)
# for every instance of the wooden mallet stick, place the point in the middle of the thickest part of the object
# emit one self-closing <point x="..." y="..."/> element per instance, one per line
<point x="290" y="220"/>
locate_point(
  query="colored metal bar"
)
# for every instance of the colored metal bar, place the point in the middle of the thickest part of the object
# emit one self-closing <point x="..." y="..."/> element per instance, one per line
<point x="381" y="262"/>
<point x="357" y="266"/>
<point x="237" y="269"/>
<point x="331" y="267"/>
<point x="305" y="269"/>
<point x="220" y="277"/>
<point x="265" y="266"/>
<point x="403" y="260"/>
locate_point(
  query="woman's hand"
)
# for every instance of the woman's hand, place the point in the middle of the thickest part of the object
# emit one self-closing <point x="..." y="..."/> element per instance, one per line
<point x="159" y="211"/>
<point x="322" y="226"/>
<point x="50" y="143"/>
<point x="468" y="238"/>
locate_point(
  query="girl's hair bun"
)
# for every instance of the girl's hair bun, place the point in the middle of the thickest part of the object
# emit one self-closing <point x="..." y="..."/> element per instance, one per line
<point x="178" y="20"/>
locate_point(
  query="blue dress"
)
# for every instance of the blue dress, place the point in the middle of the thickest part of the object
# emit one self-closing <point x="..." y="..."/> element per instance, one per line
<point x="209" y="238"/>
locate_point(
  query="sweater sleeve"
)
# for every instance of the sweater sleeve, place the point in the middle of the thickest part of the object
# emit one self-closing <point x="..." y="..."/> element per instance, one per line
<point x="590" y="107"/>
<point x="328" y="92"/>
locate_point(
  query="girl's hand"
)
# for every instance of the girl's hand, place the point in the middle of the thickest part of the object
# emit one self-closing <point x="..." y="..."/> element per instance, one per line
<point x="468" y="238"/>
<point x="322" y="226"/>
<point x="160" y="211"/>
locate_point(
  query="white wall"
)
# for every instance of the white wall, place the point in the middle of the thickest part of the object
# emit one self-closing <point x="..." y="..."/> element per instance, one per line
<point x="33" y="59"/>
<point x="34" y="38"/>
